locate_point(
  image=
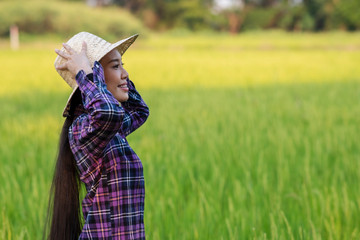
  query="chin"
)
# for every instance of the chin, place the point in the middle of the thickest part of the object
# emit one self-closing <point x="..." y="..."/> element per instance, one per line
<point x="123" y="98"/>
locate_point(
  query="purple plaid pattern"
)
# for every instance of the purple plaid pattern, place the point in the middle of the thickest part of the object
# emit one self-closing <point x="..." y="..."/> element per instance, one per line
<point x="113" y="207"/>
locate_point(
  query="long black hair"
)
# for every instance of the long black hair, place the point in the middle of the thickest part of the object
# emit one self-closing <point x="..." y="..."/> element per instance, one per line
<point x="64" y="216"/>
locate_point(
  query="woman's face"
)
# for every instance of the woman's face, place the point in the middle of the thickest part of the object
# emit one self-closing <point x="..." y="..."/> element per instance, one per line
<point x="115" y="75"/>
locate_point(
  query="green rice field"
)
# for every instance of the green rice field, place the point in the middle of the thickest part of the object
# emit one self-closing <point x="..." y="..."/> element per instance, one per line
<point x="254" y="136"/>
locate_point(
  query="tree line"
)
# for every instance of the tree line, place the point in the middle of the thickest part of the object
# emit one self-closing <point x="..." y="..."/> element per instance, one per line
<point x="241" y="15"/>
<point x="233" y="16"/>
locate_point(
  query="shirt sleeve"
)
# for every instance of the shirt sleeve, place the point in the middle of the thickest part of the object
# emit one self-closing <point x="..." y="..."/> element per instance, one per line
<point x="92" y="131"/>
<point x="136" y="111"/>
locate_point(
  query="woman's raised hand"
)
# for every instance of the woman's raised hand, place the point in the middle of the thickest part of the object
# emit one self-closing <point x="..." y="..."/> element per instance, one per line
<point x="74" y="61"/>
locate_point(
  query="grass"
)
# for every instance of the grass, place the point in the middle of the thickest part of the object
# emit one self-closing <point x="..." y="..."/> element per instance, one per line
<point x="243" y="142"/>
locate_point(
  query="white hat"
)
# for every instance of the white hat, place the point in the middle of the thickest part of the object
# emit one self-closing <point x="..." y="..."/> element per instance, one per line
<point x="97" y="48"/>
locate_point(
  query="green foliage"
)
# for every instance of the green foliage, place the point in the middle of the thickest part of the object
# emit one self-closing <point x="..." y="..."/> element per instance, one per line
<point x="70" y="16"/>
<point x="193" y="17"/>
<point x="190" y="14"/>
<point x="217" y="22"/>
<point x="297" y="18"/>
<point x="333" y="14"/>
<point x="348" y="11"/>
<point x="66" y="19"/>
<point x="258" y="18"/>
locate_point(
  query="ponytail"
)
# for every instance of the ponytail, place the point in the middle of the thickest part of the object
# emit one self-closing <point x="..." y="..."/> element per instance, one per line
<point x="64" y="205"/>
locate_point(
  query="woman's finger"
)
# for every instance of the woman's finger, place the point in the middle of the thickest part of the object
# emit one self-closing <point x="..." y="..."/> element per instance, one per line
<point x="84" y="47"/>
<point x="62" y="54"/>
<point x="68" y="48"/>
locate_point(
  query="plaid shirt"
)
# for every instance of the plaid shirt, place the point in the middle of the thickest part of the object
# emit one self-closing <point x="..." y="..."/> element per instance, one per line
<point x="113" y="207"/>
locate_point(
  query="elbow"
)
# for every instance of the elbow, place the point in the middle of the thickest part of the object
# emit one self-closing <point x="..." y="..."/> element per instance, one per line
<point x="146" y="113"/>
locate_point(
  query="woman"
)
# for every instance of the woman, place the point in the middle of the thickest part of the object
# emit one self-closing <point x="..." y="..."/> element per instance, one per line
<point x="102" y="110"/>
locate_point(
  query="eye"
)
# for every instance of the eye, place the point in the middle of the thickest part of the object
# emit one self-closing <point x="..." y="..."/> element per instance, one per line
<point x="116" y="66"/>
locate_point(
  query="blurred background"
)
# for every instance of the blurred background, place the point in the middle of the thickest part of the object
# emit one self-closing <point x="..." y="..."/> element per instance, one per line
<point x="254" y="113"/>
<point x="233" y="16"/>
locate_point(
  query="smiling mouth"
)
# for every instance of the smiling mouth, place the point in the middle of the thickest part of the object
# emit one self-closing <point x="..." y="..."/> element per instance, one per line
<point x="123" y="86"/>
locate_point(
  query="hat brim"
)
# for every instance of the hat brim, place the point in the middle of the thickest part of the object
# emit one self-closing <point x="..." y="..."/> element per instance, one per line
<point x="121" y="46"/>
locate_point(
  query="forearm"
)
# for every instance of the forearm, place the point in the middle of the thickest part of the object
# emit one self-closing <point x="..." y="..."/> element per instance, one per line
<point x="136" y="110"/>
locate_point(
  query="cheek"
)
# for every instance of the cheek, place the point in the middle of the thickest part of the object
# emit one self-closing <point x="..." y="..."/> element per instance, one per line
<point x="109" y="78"/>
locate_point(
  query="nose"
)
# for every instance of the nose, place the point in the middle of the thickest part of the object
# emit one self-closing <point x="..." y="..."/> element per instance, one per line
<point x="124" y="74"/>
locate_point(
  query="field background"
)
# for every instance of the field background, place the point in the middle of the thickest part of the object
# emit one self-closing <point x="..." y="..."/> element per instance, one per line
<point x="254" y="136"/>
